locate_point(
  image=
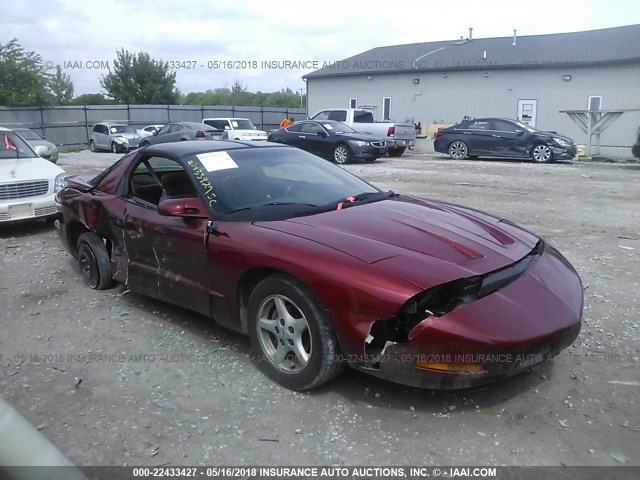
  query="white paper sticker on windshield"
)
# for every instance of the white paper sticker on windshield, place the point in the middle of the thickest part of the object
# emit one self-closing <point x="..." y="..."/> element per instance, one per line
<point x="234" y="123"/>
<point x="214" y="161"/>
<point x="327" y="126"/>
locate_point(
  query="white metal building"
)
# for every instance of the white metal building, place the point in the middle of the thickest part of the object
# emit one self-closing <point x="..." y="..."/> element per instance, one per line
<point x="531" y="78"/>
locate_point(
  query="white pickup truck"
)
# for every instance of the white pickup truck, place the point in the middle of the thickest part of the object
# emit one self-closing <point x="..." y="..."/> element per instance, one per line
<point x="399" y="136"/>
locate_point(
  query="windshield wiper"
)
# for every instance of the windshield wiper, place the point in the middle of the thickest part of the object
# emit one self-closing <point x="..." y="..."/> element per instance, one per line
<point x="237" y="210"/>
<point x="287" y="203"/>
<point x="350" y="201"/>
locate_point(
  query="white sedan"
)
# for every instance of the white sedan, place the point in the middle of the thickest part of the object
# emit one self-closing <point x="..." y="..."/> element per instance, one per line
<point x="149" y="130"/>
<point x="28" y="183"/>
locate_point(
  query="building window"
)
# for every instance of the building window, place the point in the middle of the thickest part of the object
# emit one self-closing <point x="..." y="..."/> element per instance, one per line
<point x="386" y="108"/>
<point x="595" y="102"/>
<point x="353" y="103"/>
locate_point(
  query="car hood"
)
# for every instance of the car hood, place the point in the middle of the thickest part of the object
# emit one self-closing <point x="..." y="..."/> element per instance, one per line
<point x="366" y="137"/>
<point x="126" y="135"/>
<point x="423" y="242"/>
<point x="15" y="170"/>
<point x="549" y="136"/>
<point x="35" y="143"/>
<point x="250" y="132"/>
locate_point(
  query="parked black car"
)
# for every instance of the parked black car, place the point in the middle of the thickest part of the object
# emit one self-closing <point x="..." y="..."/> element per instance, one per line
<point x="502" y="137"/>
<point x="330" y="139"/>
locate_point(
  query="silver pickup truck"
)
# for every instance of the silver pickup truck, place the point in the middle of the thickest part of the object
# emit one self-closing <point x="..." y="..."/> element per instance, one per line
<point x="399" y="136"/>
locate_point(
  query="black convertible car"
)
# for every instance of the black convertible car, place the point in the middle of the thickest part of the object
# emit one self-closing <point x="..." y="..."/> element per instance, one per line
<point x="501" y="137"/>
<point x="330" y="139"/>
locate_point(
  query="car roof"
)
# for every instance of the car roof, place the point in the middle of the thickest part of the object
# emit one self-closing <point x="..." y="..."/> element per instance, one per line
<point x="194" y="147"/>
<point x="112" y="124"/>
<point x="4" y="129"/>
<point x="224" y="118"/>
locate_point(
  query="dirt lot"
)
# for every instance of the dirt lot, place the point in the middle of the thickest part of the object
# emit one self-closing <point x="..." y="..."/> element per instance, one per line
<point x="163" y="386"/>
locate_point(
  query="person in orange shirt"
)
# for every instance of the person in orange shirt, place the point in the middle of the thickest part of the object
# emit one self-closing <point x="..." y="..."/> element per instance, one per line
<point x="286" y="122"/>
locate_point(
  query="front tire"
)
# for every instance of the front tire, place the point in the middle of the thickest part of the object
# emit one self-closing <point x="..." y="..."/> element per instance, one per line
<point x="94" y="261"/>
<point x="541" y="153"/>
<point x="396" y="152"/>
<point x="92" y="146"/>
<point x="458" y="150"/>
<point x="114" y="147"/>
<point x="341" y="154"/>
<point x="291" y="334"/>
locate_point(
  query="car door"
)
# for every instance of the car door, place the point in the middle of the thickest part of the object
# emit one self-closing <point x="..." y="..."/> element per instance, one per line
<point x="175" y="132"/>
<point x="162" y="135"/>
<point x="321" y="141"/>
<point x="101" y="136"/>
<point x="167" y="258"/>
<point x="510" y="141"/>
<point x="479" y="137"/>
<point x="309" y="139"/>
<point x="292" y="135"/>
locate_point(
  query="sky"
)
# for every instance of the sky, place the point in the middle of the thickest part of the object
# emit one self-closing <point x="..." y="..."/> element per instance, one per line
<point x="216" y="43"/>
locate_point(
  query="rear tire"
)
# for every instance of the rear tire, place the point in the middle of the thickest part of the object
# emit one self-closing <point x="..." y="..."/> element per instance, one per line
<point x="341" y="154"/>
<point x="145" y="144"/>
<point x="94" y="261"/>
<point x="458" y="150"/>
<point x="291" y="333"/>
<point x="396" y="152"/>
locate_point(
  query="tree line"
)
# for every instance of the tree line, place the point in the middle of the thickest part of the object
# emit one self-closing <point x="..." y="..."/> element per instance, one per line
<point x="134" y="78"/>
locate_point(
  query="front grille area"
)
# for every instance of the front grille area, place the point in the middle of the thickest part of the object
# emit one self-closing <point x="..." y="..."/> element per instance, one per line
<point x="23" y="189"/>
<point x="39" y="212"/>
<point x="378" y="144"/>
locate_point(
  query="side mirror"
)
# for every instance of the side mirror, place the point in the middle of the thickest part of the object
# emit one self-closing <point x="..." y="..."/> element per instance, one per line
<point x="40" y="150"/>
<point x="183" y="207"/>
<point x="155" y="133"/>
<point x="323" y="134"/>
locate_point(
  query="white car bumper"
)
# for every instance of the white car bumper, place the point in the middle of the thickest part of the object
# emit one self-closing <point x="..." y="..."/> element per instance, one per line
<point x="17" y="209"/>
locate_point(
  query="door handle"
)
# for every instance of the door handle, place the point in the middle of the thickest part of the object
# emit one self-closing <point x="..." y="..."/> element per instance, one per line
<point x="301" y="136"/>
<point x="497" y="136"/>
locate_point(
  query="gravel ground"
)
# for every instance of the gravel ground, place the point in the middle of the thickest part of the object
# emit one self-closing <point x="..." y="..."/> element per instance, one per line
<point x="126" y="380"/>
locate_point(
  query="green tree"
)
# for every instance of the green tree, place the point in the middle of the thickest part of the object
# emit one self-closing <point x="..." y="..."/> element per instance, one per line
<point x="139" y="79"/>
<point x="61" y="87"/>
<point x="91" y="99"/>
<point x="23" y="81"/>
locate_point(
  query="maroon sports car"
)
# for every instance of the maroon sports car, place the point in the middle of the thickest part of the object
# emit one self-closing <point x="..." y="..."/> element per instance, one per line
<point x="322" y="269"/>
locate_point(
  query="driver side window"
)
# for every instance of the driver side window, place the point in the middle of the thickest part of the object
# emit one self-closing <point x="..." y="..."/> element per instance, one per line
<point x="311" y="128"/>
<point x="157" y="178"/>
<point x="164" y="129"/>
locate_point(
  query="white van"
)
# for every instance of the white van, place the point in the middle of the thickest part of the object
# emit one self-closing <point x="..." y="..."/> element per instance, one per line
<point x="236" y="128"/>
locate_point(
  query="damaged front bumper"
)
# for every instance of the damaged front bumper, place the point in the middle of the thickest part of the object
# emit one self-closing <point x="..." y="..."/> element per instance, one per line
<point x="498" y="325"/>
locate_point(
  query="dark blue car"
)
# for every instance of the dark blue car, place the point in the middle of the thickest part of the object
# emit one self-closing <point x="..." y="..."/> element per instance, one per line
<point x="502" y="137"/>
<point x="330" y="139"/>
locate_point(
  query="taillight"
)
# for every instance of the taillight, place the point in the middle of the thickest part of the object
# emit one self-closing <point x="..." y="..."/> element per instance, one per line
<point x="200" y="134"/>
<point x="225" y="136"/>
<point x="440" y="134"/>
<point x="391" y="132"/>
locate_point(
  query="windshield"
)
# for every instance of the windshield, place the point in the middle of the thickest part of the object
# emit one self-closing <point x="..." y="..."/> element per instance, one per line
<point x="12" y="146"/>
<point x="526" y="128"/>
<point x="242" y="124"/>
<point x="274" y="182"/>
<point x="338" y="127"/>
<point x="122" y="129"/>
<point x="29" y="135"/>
